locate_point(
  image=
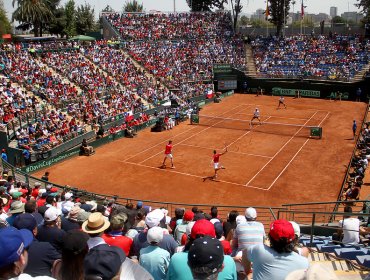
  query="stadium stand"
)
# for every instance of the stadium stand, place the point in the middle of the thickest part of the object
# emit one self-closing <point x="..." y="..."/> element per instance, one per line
<point x="95" y="235"/>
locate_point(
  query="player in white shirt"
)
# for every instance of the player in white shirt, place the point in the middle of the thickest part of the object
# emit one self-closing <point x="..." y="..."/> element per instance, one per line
<point x="281" y="102"/>
<point x="256" y="115"/>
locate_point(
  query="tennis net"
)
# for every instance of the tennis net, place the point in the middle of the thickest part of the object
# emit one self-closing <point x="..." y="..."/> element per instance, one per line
<point x="263" y="127"/>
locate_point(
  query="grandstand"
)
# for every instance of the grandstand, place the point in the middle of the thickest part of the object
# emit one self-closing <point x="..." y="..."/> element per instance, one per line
<point x="160" y="69"/>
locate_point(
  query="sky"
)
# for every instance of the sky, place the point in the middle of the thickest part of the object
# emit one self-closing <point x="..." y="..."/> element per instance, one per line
<point x="250" y="6"/>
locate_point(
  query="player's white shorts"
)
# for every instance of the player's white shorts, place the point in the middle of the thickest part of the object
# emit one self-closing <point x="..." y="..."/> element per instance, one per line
<point x="168" y="155"/>
<point x="216" y="165"/>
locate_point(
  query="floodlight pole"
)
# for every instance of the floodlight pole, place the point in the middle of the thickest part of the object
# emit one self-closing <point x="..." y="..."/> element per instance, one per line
<point x="174" y="6"/>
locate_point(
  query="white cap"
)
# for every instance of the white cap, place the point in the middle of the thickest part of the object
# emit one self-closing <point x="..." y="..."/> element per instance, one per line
<point x="68" y="195"/>
<point x="41" y="191"/>
<point x="49" y="186"/>
<point x="250" y="213"/>
<point x="154" y="218"/>
<point x="93" y="204"/>
<point x="297" y="229"/>
<point x="154" y="235"/>
<point x="51" y="214"/>
<point x="240" y="219"/>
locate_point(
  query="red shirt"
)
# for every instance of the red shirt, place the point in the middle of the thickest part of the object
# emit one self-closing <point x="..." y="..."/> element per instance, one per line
<point x="216" y="158"/>
<point x="120" y="241"/>
<point x="168" y="149"/>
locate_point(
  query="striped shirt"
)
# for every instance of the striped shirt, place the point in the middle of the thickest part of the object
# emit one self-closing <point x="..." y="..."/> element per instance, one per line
<point x="248" y="234"/>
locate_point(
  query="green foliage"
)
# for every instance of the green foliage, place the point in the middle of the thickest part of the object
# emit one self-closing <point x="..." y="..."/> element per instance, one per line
<point x="205" y="5"/>
<point x="70" y="19"/>
<point x="338" y="19"/>
<point x="237" y="7"/>
<point x="58" y="24"/>
<point x="277" y="10"/>
<point x="108" y="9"/>
<point x="85" y="19"/>
<point x="5" y="27"/>
<point x="132" y="7"/>
<point x="33" y="13"/>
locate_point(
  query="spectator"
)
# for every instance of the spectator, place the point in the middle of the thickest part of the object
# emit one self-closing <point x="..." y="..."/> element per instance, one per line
<point x="206" y="258"/>
<point x="230" y="224"/>
<point x="220" y="236"/>
<point x="70" y="222"/>
<point x="74" y="250"/>
<point x="115" y="236"/>
<point x="13" y="253"/>
<point x="41" y="255"/>
<point x="153" y="258"/>
<point x="50" y="231"/>
<point x="349" y="229"/>
<point x="95" y="226"/>
<point x="154" y="219"/>
<point x="16" y="208"/>
<point x="303" y="251"/>
<point x="45" y="177"/>
<point x="181" y="228"/>
<point x="4" y="155"/>
<point x="180" y="271"/>
<point x="278" y="260"/>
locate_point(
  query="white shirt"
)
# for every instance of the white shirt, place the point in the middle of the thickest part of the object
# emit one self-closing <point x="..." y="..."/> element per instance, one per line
<point x="257" y="113"/>
<point x="95" y="241"/>
<point x="351" y="227"/>
<point x="25" y="276"/>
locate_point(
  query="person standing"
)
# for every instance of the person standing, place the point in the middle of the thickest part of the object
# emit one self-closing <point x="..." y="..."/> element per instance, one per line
<point x="4" y="156"/>
<point x="256" y="115"/>
<point x="216" y="164"/>
<point x="281" y="102"/>
<point x="168" y="154"/>
<point x="354" y="128"/>
<point x="358" y="94"/>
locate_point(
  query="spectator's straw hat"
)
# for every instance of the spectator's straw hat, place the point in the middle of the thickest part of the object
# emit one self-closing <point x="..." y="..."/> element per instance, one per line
<point x="73" y="214"/>
<point x="96" y="223"/>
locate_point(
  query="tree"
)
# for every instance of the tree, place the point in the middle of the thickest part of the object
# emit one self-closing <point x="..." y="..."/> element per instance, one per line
<point x="58" y="24"/>
<point x="85" y="19"/>
<point x="32" y="13"/>
<point x="364" y="5"/>
<point x="108" y="9"/>
<point x="236" y="10"/>
<point x="70" y="17"/>
<point x="4" y="21"/>
<point x="278" y="13"/>
<point x="338" y="19"/>
<point x="205" y="5"/>
<point x="133" y="7"/>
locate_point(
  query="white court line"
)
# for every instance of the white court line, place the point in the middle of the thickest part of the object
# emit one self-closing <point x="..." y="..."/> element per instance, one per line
<point x="238" y="153"/>
<point x="187" y="174"/>
<point x="173" y="137"/>
<point x="274" y="117"/>
<point x="191" y="136"/>
<point x="280" y="149"/>
<point x="282" y="171"/>
<point x="304" y="144"/>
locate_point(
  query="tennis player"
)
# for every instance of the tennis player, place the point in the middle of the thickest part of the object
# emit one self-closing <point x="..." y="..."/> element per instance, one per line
<point x="168" y="154"/>
<point x="216" y="164"/>
<point x="281" y="102"/>
<point x="256" y="115"/>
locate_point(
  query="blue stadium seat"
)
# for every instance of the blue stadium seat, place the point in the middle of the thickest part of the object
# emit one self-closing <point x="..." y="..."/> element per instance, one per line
<point x="363" y="260"/>
<point x="350" y="253"/>
<point x="328" y="248"/>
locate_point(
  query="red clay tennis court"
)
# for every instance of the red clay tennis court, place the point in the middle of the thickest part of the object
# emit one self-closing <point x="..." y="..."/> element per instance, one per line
<point x="272" y="163"/>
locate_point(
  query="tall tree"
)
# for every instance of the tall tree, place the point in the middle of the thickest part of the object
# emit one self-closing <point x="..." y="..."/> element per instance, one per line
<point x="132" y="7"/>
<point x="237" y="8"/>
<point x="58" y="24"/>
<point x="364" y="5"/>
<point x="278" y="13"/>
<point x="70" y="18"/>
<point x="32" y="13"/>
<point x="205" y="5"/>
<point x="85" y="19"/>
<point x="4" y="21"/>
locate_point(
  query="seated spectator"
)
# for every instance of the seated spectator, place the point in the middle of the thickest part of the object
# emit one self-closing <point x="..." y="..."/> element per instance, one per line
<point x="85" y="149"/>
<point x="206" y="258"/>
<point x="353" y="192"/>
<point x="74" y="250"/>
<point x="349" y="228"/>
<point x="178" y="268"/>
<point x="230" y="224"/>
<point x="13" y="253"/>
<point x="181" y="228"/>
<point x="220" y="236"/>
<point x="115" y="236"/>
<point x="153" y="258"/>
<point x="277" y="260"/>
<point x="41" y="255"/>
<point x="303" y="251"/>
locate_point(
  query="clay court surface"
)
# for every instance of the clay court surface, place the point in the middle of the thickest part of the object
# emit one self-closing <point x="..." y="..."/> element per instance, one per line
<point x="270" y="164"/>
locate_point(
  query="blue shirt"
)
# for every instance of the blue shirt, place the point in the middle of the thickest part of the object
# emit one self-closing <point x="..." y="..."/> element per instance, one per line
<point x="4" y="156"/>
<point x="155" y="260"/>
<point x="354" y="127"/>
<point x="269" y="264"/>
<point x="179" y="269"/>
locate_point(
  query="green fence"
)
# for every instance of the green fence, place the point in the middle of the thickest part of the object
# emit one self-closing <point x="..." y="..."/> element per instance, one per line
<point x="292" y="92"/>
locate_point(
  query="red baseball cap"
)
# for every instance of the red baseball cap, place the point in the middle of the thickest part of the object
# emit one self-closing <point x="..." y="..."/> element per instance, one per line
<point x="188" y="216"/>
<point x="203" y="227"/>
<point x="281" y="229"/>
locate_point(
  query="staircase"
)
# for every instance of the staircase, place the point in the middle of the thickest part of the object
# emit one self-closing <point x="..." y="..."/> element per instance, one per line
<point x="360" y="75"/>
<point x="249" y="61"/>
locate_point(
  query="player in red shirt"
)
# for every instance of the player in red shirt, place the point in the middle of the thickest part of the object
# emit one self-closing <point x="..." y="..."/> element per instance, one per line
<point x="216" y="164"/>
<point x="168" y="154"/>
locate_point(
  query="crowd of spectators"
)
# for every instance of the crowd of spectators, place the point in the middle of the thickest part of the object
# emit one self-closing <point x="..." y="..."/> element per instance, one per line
<point x="67" y="237"/>
<point x="321" y="57"/>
